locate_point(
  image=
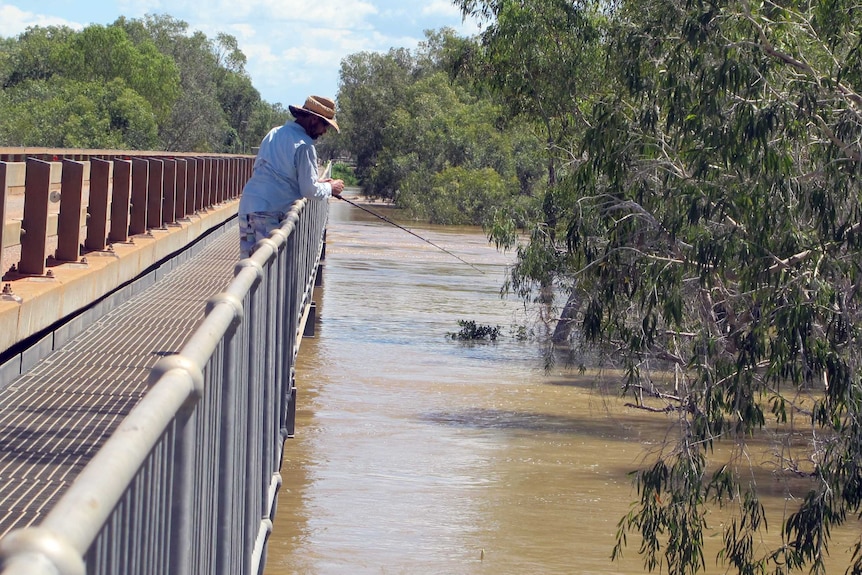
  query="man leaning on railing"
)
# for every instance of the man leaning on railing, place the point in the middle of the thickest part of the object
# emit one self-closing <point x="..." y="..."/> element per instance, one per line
<point x="285" y="170"/>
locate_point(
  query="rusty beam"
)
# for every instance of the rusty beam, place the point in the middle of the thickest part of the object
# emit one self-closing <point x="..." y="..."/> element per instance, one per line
<point x="34" y="228"/>
<point x="71" y="204"/>
<point x="138" y="208"/>
<point x="121" y="198"/>
<point x="97" y="206"/>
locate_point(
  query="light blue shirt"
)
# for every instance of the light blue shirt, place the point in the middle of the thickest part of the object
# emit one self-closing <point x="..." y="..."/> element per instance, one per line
<point x="285" y="170"/>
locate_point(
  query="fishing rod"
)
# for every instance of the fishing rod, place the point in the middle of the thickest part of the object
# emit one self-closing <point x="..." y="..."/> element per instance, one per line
<point x="400" y="227"/>
<point x="397" y="225"/>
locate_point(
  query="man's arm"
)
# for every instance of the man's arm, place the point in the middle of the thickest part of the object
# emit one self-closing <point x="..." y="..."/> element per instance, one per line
<point x="306" y="172"/>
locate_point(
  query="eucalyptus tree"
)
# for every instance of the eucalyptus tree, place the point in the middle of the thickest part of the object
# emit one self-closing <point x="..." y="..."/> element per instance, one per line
<point x="372" y="86"/>
<point x="92" y="88"/>
<point x="215" y="94"/>
<point x="64" y="113"/>
<point x="235" y="92"/>
<point x="112" y="86"/>
<point x="459" y="166"/>
<point x="105" y="53"/>
<point x="37" y="54"/>
<point x="714" y="230"/>
<point x="423" y="137"/>
<point x="544" y="61"/>
<point x="542" y="58"/>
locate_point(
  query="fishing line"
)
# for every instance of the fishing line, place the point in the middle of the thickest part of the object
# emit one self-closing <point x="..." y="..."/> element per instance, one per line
<point x="388" y="221"/>
<point x="327" y="173"/>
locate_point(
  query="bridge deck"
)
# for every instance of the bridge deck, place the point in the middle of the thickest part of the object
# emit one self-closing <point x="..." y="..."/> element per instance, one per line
<point x="54" y="418"/>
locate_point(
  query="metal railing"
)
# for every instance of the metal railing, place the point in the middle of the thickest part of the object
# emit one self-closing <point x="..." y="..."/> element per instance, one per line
<point x="128" y="193"/>
<point x="187" y="483"/>
<point x="62" y="210"/>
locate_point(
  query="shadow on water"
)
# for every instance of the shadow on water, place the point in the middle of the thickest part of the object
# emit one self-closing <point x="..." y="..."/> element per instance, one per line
<point x="592" y="383"/>
<point x="614" y="427"/>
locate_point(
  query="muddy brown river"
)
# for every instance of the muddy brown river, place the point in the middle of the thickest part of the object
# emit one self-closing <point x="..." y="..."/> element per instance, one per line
<point x="418" y="454"/>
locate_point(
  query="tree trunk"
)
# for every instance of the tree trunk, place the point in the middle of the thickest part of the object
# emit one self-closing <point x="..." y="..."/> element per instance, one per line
<point x="566" y="324"/>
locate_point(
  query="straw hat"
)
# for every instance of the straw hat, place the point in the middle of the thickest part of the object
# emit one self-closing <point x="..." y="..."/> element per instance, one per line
<point x="318" y="106"/>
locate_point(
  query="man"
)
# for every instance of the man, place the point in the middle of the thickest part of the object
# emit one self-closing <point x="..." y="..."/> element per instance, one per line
<point x="285" y="170"/>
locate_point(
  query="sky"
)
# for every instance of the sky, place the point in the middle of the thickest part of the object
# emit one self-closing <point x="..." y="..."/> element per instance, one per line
<point x="294" y="48"/>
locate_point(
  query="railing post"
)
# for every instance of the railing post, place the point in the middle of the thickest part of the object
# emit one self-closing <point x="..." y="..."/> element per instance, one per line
<point x="201" y="183"/>
<point x="212" y="183"/>
<point x="121" y="201"/>
<point x="34" y="227"/>
<point x="97" y="207"/>
<point x="183" y="499"/>
<point x="229" y="179"/>
<point x="140" y="183"/>
<point x="233" y="179"/>
<point x="169" y="204"/>
<point x="4" y="187"/>
<point x="69" y="223"/>
<point x="192" y="176"/>
<point x="218" y="179"/>
<point x="231" y="429"/>
<point x="182" y="183"/>
<point x="263" y="299"/>
<point x="155" y="217"/>
<point x="227" y="183"/>
<point x="288" y="319"/>
<point x="240" y="175"/>
<point x="222" y="181"/>
<point x="289" y="400"/>
<point x="322" y="256"/>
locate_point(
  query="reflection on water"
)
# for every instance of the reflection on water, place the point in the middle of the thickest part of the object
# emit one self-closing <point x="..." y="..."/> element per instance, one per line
<point x="419" y="454"/>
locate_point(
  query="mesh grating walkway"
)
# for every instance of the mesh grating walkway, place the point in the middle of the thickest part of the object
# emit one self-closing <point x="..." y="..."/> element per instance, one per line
<point x="54" y="418"/>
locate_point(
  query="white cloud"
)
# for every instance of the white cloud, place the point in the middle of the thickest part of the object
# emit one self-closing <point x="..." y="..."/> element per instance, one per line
<point x="331" y="14"/>
<point x="139" y="8"/>
<point x="271" y="13"/>
<point x="443" y="8"/>
<point x="293" y="47"/>
<point x="260" y="53"/>
<point x="14" y="21"/>
<point x="242" y="31"/>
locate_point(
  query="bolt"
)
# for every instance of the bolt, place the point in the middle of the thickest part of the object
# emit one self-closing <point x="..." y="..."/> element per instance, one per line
<point x="49" y="273"/>
<point x="7" y="289"/>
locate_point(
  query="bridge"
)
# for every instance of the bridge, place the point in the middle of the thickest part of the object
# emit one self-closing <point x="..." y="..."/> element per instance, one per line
<point x="146" y="374"/>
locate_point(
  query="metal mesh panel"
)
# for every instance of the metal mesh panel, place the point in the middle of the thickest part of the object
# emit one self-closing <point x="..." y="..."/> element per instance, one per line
<point x="56" y="416"/>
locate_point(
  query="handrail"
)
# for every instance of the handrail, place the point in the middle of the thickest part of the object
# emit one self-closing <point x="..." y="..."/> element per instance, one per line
<point x="234" y="374"/>
<point x="127" y="193"/>
<point x="8" y="154"/>
<point x="59" y="216"/>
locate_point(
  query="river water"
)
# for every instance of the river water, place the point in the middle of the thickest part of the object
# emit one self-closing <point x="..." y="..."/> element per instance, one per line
<point x="418" y="454"/>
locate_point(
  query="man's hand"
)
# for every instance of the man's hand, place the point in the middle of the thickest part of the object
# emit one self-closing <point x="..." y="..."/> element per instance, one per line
<point x="337" y="186"/>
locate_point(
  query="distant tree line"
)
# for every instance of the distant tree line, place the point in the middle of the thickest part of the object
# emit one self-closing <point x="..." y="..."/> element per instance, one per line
<point x="135" y="84"/>
<point x="431" y="139"/>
